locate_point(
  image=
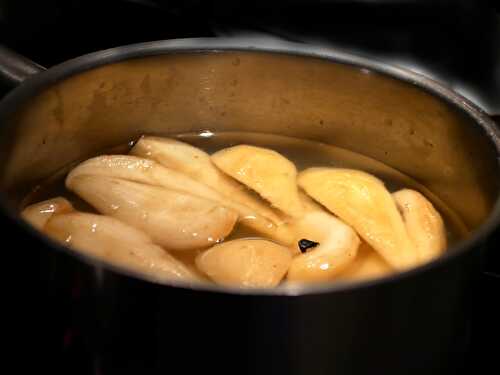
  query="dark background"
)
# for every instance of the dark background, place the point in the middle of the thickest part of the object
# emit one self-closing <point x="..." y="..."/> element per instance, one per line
<point x="454" y="41"/>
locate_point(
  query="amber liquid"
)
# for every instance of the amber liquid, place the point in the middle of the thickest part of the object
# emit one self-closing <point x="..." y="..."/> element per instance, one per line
<point x="303" y="153"/>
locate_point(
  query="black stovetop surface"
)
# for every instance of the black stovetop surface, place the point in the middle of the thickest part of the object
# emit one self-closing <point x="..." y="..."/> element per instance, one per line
<point x="456" y="42"/>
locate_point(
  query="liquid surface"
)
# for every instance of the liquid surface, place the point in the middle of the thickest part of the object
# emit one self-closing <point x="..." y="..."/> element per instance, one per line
<point x="304" y="154"/>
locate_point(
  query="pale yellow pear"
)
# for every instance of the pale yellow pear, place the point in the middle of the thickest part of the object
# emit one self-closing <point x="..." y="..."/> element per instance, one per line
<point x="265" y="171"/>
<point x="337" y="246"/>
<point x="197" y="165"/>
<point x="150" y="172"/>
<point x="37" y="214"/>
<point x="112" y="241"/>
<point x="423" y="223"/>
<point x="367" y="265"/>
<point x="174" y="219"/>
<point x="246" y="263"/>
<point x="362" y="201"/>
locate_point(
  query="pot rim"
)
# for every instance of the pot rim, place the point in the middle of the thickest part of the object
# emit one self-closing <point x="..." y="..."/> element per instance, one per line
<point x="89" y="61"/>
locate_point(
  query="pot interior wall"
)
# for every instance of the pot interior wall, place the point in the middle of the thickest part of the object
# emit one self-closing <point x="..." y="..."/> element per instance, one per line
<point x="369" y="113"/>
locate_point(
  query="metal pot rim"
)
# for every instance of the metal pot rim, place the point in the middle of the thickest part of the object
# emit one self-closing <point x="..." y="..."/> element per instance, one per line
<point x="219" y="45"/>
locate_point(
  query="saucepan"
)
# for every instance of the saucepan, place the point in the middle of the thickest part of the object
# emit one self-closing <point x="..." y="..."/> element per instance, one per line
<point x="109" y="321"/>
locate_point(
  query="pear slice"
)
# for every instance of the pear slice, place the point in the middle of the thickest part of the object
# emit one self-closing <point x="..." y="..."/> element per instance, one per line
<point x="337" y="246"/>
<point x="309" y="204"/>
<point x="362" y="201"/>
<point x="147" y="171"/>
<point x="37" y="214"/>
<point x="265" y="171"/>
<point x="423" y="223"/>
<point x="297" y="225"/>
<point x="115" y="242"/>
<point x="246" y="263"/>
<point x="142" y="170"/>
<point x="173" y="219"/>
<point x="197" y="164"/>
<point x="367" y="265"/>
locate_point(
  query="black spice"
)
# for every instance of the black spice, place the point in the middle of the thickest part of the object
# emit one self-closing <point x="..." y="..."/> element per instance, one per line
<point x="305" y="244"/>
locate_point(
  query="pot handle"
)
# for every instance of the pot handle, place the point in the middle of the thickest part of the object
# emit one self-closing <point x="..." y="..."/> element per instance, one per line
<point x="15" y="68"/>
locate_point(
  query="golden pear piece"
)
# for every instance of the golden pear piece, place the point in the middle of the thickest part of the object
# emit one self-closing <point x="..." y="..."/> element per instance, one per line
<point x="367" y="265"/>
<point x="150" y="172"/>
<point x="337" y="246"/>
<point x="362" y="201"/>
<point x="267" y="172"/>
<point x="142" y="170"/>
<point x="197" y="164"/>
<point x="37" y="214"/>
<point x="115" y="242"/>
<point x="173" y="219"/>
<point x="246" y="263"/>
<point x="423" y="223"/>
